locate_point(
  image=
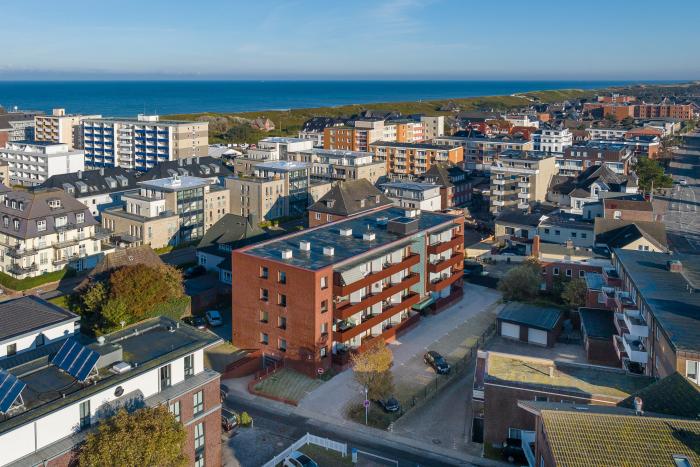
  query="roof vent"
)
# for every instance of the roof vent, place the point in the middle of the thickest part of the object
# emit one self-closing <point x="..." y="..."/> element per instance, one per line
<point x="328" y="250"/>
<point x="369" y="236"/>
<point x="101" y="340"/>
<point x="345" y="232"/>
<point x="305" y="245"/>
<point x="674" y="265"/>
<point x="287" y="254"/>
<point x="410" y="213"/>
<point x="121" y="367"/>
<point x="383" y="220"/>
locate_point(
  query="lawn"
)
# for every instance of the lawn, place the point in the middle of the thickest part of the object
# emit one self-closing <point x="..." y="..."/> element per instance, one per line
<point x="61" y="301"/>
<point x="376" y="417"/>
<point x="219" y="357"/>
<point x="326" y="457"/>
<point x="287" y="384"/>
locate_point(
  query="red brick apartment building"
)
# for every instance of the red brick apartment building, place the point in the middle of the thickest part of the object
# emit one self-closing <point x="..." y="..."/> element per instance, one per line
<point x="642" y="111"/>
<point x="312" y="298"/>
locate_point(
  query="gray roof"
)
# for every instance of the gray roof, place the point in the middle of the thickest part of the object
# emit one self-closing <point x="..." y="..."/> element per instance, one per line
<point x="519" y="217"/>
<point x="667" y="293"/>
<point x="29" y="314"/>
<point x="393" y="144"/>
<point x="598" y="322"/>
<point x="345" y="198"/>
<point x="205" y="167"/>
<point x="618" y="233"/>
<point x="530" y="315"/>
<point x="233" y="230"/>
<point x="94" y="182"/>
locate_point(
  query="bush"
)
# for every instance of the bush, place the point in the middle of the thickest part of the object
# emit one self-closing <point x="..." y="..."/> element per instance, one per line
<point x="521" y="283"/>
<point x="246" y="420"/>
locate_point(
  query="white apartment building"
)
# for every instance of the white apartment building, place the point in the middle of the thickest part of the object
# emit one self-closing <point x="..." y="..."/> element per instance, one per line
<point x="337" y="164"/>
<point x="60" y="127"/>
<point x="414" y="195"/>
<point x="606" y="133"/>
<point x="522" y="120"/>
<point x="31" y="164"/>
<point x="552" y="140"/>
<point x="46" y="230"/>
<point x="519" y="178"/>
<point x="276" y="148"/>
<point x="433" y="127"/>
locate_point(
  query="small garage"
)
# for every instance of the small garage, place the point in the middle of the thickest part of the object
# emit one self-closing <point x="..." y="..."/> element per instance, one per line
<point x="530" y="323"/>
<point x="598" y="329"/>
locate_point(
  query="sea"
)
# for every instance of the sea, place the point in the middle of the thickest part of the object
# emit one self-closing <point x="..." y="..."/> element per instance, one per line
<point x="128" y="98"/>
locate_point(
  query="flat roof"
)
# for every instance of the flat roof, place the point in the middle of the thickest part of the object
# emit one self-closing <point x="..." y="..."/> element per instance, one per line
<point x="598" y="322"/>
<point x="413" y="186"/>
<point x="336" y="153"/>
<point x="515" y="154"/>
<point x="136" y="121"/>
<point x="345" y="247"/>
<point x="530" y="315"/>
<point x="394" y="144"/>
<point x="286" y="166"/>
<point x="176" y="184"/>
<point x="282" y="139"/>
<point x="589" y="380"/>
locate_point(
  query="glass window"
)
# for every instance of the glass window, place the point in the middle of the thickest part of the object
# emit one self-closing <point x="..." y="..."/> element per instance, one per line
<point x="84" y="414"/>
<point x="174" y="408"/>
<point x="282" y="277"/>
<point x="199" y="438"/>
<point x="11" y="349"/>
<point x="198" y="402"/>
<point x="263" y="295"/>
<point x="264" y="339"/>
<point x="165" y="377"/>
<point x="282" y="322"/>
<point x="324" y="306"/>
<point x="189" y="366"/>
<point x="41" y="225"/>
<point x="324" y="282"/>
<point x="282" y="345"/>
<point x="80" y="217"/>
<point x="515" y="433"/>
<point x="281" y="299"/>
<point x="264" y="316"/>
<point x="691" y="370"/>
<point x="263" y="272"/>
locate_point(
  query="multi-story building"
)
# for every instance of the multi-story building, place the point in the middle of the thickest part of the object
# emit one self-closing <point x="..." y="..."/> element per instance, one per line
<point x="363" y="131"/>
<point x="19" y="123"/>
<point x="46" y="230"/>
<point x="60" y="127"/>
<point x="409" y="160"/>
<point x="167" y="211"/>
<point x="519" y="178"/>
<point x="143" y="142"/>
<point x="313" y="298"/>
<point x="455" y="184"/>
<point x="207" y="167"/>
<point x="97" y="189"/>
<point x="480" y="152"/>
<point x="642" y="111"/>
<point x="595" y="133"/>
<point x="552" y="140"/>
<point x="277" y="148"/>
<point x="346" y="199"/>
<point x="616" y="98"/>
<point x="32" y="164"/>
<point x="616" y="155"/>
<point x="336" y="164"/>
<point x="434" y="126"/>
<point x="353" y="138"/>
<point x="522" y="120"/>
<point x="313" y="129"/>
<point x="414" y="195"/>
<point x="65" y="387"/>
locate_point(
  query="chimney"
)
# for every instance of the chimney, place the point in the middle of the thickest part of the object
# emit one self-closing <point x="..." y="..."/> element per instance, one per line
<point x="287" y="254"/>
<point x="570" y="244"/>
<point x="328" y="251"/>
<point x="551" y="371"/>
<point x="304" y="245"/>
<point x="536" y="246"/>
<point x="102" y="171"/>
<point x="674" y="265"/>
<point x="638" y="404"/>
<point x="80" y="174"/>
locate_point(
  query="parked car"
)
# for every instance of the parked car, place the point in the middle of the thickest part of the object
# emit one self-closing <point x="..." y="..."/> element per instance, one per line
<point x="229" y="420"/>
<point x="437" y="361"/>
<point x="299" y="459"/>
<point x="683" y="182"/>
<point x="196" y="321"/>
<point x="223" y="389"/>
<point x="390" y="404"/>
<point x="194" y="271"/>
<point x="214" y="318"/>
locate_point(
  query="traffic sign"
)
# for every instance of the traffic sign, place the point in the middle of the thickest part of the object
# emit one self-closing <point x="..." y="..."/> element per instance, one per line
<point x="366" y="403"/>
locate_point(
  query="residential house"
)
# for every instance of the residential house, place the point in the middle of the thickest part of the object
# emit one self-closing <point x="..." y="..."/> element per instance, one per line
<point x="631" y="235"/>
<point x="616" y="155"/>
<point x="60" y="128"/>
<point x="456" y="184"/>
<point x="414" y="195"/>
<point x="346" y="199"/>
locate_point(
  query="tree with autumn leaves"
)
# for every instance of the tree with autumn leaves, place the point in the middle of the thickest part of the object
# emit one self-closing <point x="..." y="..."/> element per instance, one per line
<point x="372" y="370"/>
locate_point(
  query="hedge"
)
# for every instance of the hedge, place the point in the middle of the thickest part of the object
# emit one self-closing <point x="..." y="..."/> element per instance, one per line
<point x="12" y="283"/>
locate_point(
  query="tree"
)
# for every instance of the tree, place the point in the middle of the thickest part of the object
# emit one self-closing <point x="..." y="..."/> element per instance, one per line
<point x="521" y="283"/>
<point x="648" y="171"/>
<point x="574" y="293"/>
<point x="627" y="122"/>
<point x="148" y="436"/>
<point x="372" y="370"/>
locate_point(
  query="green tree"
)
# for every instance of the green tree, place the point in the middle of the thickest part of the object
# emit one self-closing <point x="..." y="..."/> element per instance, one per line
<point x="148" y="436"/>
<point x="574" y="293"/>
<point x="650" y="171"/>
<point x="372" y="370"/>
<point x="627" y="122"/>
<point x="142" y="287"/>
<point x="521" y="283"/>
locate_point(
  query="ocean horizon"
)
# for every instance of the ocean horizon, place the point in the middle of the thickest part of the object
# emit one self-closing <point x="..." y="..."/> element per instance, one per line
<point x="128" y="98"/>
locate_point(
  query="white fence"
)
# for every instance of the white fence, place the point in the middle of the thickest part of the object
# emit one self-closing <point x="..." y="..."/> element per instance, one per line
<point x="326" y="443"/>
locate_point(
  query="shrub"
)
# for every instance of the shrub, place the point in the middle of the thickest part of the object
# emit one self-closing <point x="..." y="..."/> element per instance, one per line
<point x="246" y="420"/>
<point x="520" y="283"/>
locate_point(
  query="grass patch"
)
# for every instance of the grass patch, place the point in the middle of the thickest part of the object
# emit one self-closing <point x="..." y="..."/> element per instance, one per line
<point x="12" y="283"/>
<point x="376" y="417"/>
<point x="287" y="384"/>
<point x="326" y="457"/>
<point x="219" y="357"/>
<point x="61" y="301"/>
<point x="164" y="250"/>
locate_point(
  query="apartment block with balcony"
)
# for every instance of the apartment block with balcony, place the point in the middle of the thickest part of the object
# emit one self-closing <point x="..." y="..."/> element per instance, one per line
<point x="277" y="148"/>
<point x="480" y="152"/>
<point x="158" y="362"/>
<point x="552" y="139"/>
<point x="46" y="230"/>
<point x="414" y="195"/>
<point x="60" y="127"/>
<point x="31" y="164"/>
<point x="408" y="160"/>
<point x="143" y="142"/>
<point x="519" y="178"/>
<point x="315" y="297"/>
<point x="336" y="164"/>
<point x="17" y="125"/>
<point x="614" y="154"/>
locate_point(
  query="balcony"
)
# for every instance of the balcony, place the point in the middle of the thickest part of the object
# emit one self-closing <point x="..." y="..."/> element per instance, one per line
<point x="388" y="270"/>
<point x="346" y="309"/>
<point x="501" y="192"/>
<point x="14" y="252"/>
<point x="522" y="195"/>
<point x="438" y="248"/>
<point x="619" y="347"/>
<point x="444" y="281"/>
<point x="635" y="349"/>
<point x="348" y="332"/>
<point x="635" y="323"/>
<point x="524" y="184"/>
<point x="523" y="206"/>
<point x="496" y="202"/>
<point x="620" y="324"/>
<point x="497" y="181"/>
<point x="453" y="260"/>
<point x="624" y="301"/>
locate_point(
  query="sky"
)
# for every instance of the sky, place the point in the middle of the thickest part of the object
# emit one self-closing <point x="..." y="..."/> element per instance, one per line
<point x="350" y="39"/>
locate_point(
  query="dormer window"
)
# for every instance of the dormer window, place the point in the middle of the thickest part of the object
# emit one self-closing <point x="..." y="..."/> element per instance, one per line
<point x="15" y="223"/>
<point x="14" y="204"/>
<point x="54" y="203"/>
<point x="60" y="221"/>
<point x="80" y="217"/>
<point x="6" y="221"/>
<point x="41" y="225"/>
<point x="21" y="206"/>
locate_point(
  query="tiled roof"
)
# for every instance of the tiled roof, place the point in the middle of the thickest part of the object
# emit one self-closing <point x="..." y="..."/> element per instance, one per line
<point x="231" y="229"/>
<point x="94" y="182"/>
<point x="205" y="167"/>
<point x="345" y="198"/>
<point x="618" y="233"/>
<point x="673" y="395"/>
<point x="25" y="314"/>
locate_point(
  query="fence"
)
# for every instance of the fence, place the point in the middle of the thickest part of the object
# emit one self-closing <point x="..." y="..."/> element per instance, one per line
<point x="308" y="438"/>
<point x="458" y="369"/>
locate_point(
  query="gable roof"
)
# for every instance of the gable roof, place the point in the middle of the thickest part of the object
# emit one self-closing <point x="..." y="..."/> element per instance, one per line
<point x="673" y="395"/>
<point x="346" y="197"/>
<point x="618" y="233"/>
<point x="122" y="257"/>
<point x="31" y="313"/>
<point x="627" y="204"/>
<point x="233" y="230"/>
<point x="439" y="175"/>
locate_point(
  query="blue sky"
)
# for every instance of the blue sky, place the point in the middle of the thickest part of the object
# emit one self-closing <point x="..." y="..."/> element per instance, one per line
<point x="363" y="39"/>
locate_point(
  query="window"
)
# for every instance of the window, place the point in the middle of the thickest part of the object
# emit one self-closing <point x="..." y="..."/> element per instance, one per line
<point x="60" y="221"/>
<point x="11" y="349"/>
<point x="40" y="340"/>
<point x="41" y="225"/>
<point x="510" y="230"/>
<point x="691" y="370"/>
<point x="582" y="273"/>
<point x="84" y="414"/>
<point x="263" y="316"/>
<point x="318" y="216"/>
<point x="555" y="271"/>
<point x="263" y="272"/>
<point x="541" y="399"/>
<point x="15" y="224"/>
<point x="264" y="339"/>
<point x="546" y="231"/>
<point x="515" y="433"/>
<point x="199" y="445"/>
<point x="568" y="273"/>
<point x="617" y="215"/>
<point x="323" y="352"/>
<point x="324" y="306"/>
<point x="282" y="277"/>
<point x="174" y="409"/>
<point x="189" y="366"/>
<point x="324" y="328"/>
<point x="556" y="232"/>
<point x="80" y="218"/>
<point x="282" y="345"/>
<point x="263" y="295"/>
<point x="324" y="282"/>
<point x="573" y="234"/>
<point x="282" y="322"/>
<point x="329" y="218"/>
<point x="681" y="461"/>
<point x="198" y="403"/>
<point x="584" y="235"/>
<point x="281" y="299"/>
<point x="165" y="377"/>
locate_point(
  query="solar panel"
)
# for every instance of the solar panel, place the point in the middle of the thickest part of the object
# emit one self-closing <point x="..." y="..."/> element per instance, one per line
<point x="10" y="389"/>
<point x="76" y="359"/>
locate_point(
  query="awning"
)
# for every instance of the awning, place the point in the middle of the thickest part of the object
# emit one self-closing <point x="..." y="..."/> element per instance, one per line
<point x="351" y="276"/>
<point x="425" y="303"/>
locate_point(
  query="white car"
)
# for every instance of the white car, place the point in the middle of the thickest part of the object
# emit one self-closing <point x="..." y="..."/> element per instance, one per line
<point x="214" y="318"/>
<point x="299" y="459"/>
<point x="683" y="182"/>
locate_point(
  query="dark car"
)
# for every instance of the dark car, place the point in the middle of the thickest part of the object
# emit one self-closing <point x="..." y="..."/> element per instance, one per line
<point x="229" y="420"/>
<point x="196" y="321"/>
<point x="389" y="404"/>
<point x="224" y="391"/>
<point x="437" y="361"/>
<point x="194" y="271"/>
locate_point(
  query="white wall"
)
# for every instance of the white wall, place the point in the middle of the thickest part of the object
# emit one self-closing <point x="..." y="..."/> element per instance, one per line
<point x="27" y="342"/>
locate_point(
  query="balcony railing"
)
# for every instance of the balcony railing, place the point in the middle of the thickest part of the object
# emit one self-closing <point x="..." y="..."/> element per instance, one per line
<point x="438" y="248"/>
<point x="635" y="349"/>
<point x="635" y="323"/>
<point x="444" y="281"/>
<point x="620" y="324"/>
<point x="387" y="270"/>
<point x="346" y="309"/>
<point x="347" y="333"/>
<point x="453" y="260"/>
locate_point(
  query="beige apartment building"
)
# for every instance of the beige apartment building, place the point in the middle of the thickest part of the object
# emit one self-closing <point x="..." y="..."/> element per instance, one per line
<point x="167" y="211"/>
<point x="60" y="127"/>
<point x="336" y="164"/>
<point x="519" y="178"/>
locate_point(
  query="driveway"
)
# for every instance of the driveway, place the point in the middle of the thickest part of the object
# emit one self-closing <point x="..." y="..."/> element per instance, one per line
<point x="332" y="397"/>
